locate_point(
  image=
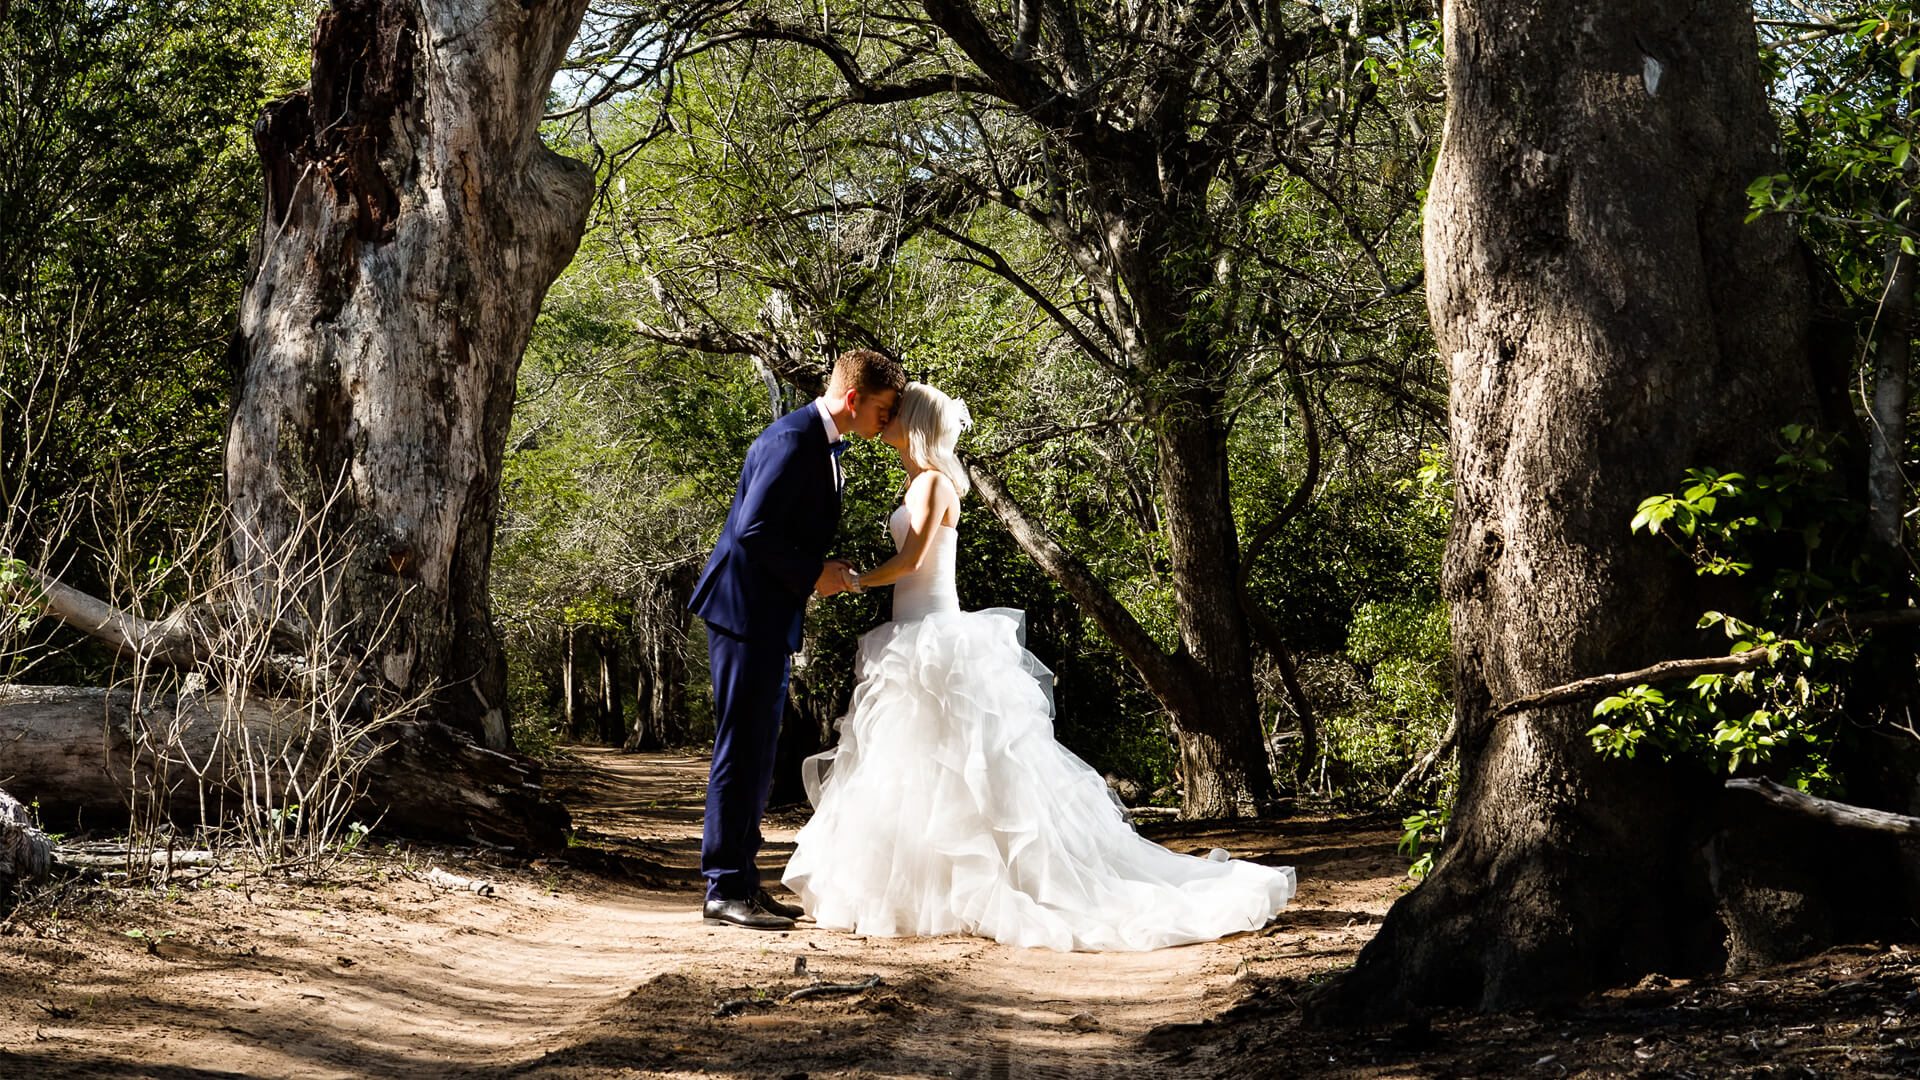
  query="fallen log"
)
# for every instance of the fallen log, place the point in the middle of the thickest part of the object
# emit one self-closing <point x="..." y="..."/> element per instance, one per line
<point x="1838" y="814"/>
<point x="26" y="854"/>
<point x="91" y="757"/>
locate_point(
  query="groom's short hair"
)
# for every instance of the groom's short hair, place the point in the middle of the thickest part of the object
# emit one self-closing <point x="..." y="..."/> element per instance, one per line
<point x="869" y="372"/>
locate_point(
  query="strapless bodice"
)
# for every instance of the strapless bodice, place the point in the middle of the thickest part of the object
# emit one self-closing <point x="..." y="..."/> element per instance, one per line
<point x="930" y="588"/>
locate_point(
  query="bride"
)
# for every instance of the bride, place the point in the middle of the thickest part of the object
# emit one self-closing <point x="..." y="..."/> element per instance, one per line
<point x="947" y="806"/>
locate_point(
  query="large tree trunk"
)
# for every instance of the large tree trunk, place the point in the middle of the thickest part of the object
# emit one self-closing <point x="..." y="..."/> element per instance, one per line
<point x="90" y="758"/>
<point x="1610" y="321"/>
<point x="413" y="223"/>
<point x="1223" y="756"/>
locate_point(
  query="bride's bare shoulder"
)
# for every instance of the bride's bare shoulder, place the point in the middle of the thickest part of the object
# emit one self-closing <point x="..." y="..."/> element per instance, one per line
<point x="934" y="491"/>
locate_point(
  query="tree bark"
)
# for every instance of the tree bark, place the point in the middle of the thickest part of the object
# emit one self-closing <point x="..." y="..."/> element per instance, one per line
<point x="90" y="757"/>
<point x="661" y="621"/>
<point x="1609" y="321"/>
<point x="413" y="222"/>
<point x="569" y="679"/>
<point x="612" y="719"/>
<point x="25" y="852"/>
<point x="1892" y="366"/>
<point x="1223" y="757"/>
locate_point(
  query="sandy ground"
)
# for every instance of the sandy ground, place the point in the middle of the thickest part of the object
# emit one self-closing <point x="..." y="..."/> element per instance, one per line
<point x="597" y="965"/>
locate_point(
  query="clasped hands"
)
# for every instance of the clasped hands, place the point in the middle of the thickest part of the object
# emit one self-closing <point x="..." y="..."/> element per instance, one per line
<point x="837" y="576"/>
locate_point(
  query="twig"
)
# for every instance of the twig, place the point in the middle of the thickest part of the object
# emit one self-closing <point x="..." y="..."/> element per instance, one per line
<point x="1581" y="689"/>
<point x="157" y="860"/>
<point x="1593" y="686"/>
<point x="477" y="886"/>
<point x="1843" y="815"/>
<point x="1420" y="768"/>
<point x="736" y="1006"/>
<point x="824" y="989"/>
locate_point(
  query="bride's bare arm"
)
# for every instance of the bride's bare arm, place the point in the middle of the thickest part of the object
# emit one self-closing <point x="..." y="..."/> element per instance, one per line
<point x="928" y="499"/>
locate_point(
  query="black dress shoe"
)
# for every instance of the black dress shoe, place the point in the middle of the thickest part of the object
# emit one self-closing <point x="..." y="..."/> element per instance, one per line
<point x="743" y="913"/>
<point x="768" y="903"/>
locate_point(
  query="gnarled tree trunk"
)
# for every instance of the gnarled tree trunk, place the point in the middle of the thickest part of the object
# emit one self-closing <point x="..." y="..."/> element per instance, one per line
<point x="1609" y="321"/>
<point x="413" y="222"/>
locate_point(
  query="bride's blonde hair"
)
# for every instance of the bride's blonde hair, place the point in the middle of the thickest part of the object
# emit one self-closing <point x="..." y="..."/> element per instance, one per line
<point x="933" y="423"/>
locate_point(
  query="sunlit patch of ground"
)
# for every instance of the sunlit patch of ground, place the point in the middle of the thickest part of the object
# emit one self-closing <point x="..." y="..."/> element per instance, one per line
<point x="597" y="964"/>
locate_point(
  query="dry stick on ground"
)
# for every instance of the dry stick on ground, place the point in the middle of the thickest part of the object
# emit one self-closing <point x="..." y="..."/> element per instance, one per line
<point x="1594" y="686"/>
<point x="825" y="989"/>
<point x="160" y="859"/>
<point x="458" y="883"/>
<point x="734" y="1006"/>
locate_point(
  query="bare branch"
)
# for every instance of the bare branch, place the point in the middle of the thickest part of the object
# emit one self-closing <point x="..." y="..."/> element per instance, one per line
<point x="1418" y="773"/>
<point x="1839" y="814"/>
<point x="172" y="641"/>
<point x="1073" y="575"/>
<point x="991" y="260"/>
<point x="1594" y="686"/>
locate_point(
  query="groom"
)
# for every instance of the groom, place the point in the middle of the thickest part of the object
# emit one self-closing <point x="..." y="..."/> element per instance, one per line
<point x="772" y="554"/>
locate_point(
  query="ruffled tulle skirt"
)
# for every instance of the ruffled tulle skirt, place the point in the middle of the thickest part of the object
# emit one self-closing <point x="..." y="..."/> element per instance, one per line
<point x="947" y="807"/>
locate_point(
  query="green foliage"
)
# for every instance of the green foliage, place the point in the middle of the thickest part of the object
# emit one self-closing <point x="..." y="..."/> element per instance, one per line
<point x="1793" y="532"/>
<point x="1848" y="137"/>
<point x="1425" y="832"/>
<point x="129" y="192"/>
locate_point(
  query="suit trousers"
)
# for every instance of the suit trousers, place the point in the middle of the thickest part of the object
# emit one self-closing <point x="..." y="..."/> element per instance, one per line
<point x="749" y="699"/>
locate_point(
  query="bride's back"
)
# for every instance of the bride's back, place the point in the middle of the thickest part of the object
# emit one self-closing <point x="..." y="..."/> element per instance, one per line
<point x="930" y="588"/>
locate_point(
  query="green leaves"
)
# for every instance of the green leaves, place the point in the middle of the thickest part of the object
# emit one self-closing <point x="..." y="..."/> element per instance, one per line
<point x="1423" y="827"/>
<point x="1686" y="510"/>
<point x="1847" y="137"/>
<point x="1793" y="530"/>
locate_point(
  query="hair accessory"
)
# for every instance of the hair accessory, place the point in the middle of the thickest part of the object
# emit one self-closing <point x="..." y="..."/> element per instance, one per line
<point x="966" y="414"/>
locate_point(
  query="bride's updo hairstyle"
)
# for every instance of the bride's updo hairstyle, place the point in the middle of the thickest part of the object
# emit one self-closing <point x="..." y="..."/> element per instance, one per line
<point x="933" y="423"/>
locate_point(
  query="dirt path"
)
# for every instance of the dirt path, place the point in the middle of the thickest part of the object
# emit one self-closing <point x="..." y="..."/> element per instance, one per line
<point x="584" y="968"/>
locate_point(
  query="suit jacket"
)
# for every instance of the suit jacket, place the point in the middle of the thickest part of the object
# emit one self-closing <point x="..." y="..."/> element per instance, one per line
<point x="784" y="515"/>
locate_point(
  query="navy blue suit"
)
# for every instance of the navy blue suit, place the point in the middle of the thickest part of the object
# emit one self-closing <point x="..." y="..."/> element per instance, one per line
<point x="753" y="597"/>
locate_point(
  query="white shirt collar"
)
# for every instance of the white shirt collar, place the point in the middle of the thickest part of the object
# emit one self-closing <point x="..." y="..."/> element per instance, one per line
<point x="826" y="414"/>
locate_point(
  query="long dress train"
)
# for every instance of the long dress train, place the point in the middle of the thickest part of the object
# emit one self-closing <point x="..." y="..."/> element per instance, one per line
<point x="948" y="807"/>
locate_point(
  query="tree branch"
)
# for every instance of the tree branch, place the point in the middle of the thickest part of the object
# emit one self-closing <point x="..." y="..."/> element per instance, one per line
<point x="860" y="91"/>
<point x="1025" y="86"/>
<point x="1594" y="686"/>
<point x="1095" y="599"/>
<point x="1842" y="815"/>
<point x="1264" y="627"/>
<point x="993" y="262"/>
<point x="1421" y="768"/>
<point x="172" y="641"/>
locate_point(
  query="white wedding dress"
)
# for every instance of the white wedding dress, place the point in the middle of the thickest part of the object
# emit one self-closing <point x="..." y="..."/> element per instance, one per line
<point x="948" y="807"/>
